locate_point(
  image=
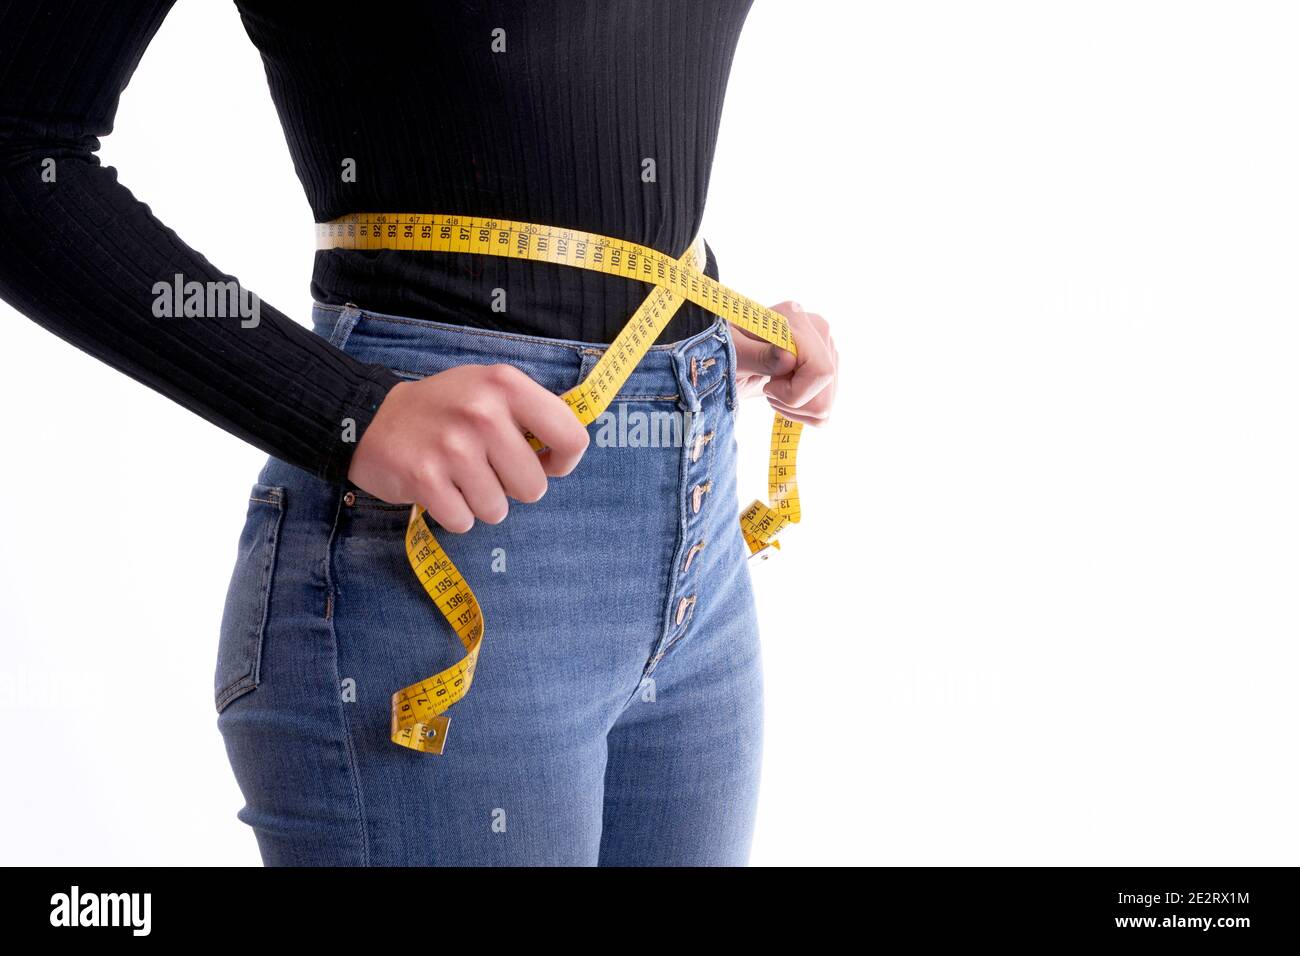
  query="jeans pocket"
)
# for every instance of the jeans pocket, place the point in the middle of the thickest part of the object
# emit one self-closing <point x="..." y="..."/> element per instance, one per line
<point x="243" y="620"/>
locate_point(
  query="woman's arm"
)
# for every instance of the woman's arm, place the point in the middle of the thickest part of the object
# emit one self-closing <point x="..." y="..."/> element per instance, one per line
<point x="80" y="255"/>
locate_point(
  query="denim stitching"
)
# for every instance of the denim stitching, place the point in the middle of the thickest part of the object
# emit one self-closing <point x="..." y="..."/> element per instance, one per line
<point x="493" y="333"/>
<point x="471" y="330"/>
<point x="271" y="540"/>
<point x="416" y="376"/>
<point x="348" y="745"/>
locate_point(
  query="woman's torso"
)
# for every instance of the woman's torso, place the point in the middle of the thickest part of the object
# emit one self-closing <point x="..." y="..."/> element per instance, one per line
<point x="599" y="115"/>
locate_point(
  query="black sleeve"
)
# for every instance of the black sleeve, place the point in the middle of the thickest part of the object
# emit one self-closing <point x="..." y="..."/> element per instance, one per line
<point x="80" y="255"/>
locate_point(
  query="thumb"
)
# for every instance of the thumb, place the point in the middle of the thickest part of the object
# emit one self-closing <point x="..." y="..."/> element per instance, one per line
<point x="757" y="356"/>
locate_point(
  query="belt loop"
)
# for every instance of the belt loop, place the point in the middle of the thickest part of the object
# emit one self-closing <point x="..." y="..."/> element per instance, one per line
<point x="590" y="356"/>
<point x="683" y="355"/>
<point x="343" y="327"/>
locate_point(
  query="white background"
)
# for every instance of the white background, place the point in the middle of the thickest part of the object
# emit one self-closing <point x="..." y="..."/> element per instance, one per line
<point x="1051" y="540"/>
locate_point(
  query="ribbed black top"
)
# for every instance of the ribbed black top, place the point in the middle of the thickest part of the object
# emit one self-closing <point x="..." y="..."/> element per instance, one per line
<point x="538" y="111"/>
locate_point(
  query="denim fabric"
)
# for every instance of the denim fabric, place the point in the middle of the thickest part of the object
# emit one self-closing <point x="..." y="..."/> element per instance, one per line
<point x="616" y="714"/>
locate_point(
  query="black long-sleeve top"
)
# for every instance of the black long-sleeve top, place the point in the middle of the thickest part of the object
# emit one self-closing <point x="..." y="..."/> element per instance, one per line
<point x="543" y="111"/>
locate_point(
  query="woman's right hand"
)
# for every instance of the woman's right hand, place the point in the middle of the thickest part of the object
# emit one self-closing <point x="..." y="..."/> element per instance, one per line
<point x="455" y="443"/>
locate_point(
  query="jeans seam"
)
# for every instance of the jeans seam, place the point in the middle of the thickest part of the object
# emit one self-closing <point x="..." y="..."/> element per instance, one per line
<point x="417" y="376"/>
<point x="348" y="744"/>
<point x="494" y="333"/>
<point x="670" y="585"/>
<point x="270" y="542"/>
<point x="733" y="397"/>
<point x="710" y="389"/>
<point x="471" y="330"/>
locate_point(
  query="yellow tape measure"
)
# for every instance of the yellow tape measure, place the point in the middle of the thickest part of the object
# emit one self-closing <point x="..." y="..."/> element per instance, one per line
<point x="419" y="714"/>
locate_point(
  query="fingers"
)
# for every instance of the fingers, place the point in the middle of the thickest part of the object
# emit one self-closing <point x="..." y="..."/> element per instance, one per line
<point x="517" y="466"/>
<point x="750" y="385"/>
<point x="807" y="393"/>
<point x="803" y="419"/>
<point x="816" y="412"/>
<point x="547" y="416"/>
<point x="755" y="356"/>
<point x="444" y="503"/>
<point x="482" y="491"/>
<point x="485" y="458"/>
<point x="816" y="370"/>
<point x="454" y="443"/>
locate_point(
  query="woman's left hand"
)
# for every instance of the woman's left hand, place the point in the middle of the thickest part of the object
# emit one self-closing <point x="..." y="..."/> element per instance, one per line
<point x="799" y="386"/>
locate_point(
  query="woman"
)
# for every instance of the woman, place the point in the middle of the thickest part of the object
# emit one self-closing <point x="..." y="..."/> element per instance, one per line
<point x="615" y="715"/>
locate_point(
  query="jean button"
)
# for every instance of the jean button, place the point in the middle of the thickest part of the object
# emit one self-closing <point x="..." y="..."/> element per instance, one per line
<point x="697" y="495"/>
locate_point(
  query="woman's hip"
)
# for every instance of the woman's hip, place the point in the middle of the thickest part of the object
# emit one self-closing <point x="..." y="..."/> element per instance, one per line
<point x="585" y="594"/>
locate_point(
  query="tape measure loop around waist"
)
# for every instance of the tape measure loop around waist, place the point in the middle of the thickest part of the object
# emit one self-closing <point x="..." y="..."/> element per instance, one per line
<point x="419" y="719"/>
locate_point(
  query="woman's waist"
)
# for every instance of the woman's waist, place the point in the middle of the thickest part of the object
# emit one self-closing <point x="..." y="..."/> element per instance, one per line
<point x="542" y="299"/>
<point x="686" y="371"/>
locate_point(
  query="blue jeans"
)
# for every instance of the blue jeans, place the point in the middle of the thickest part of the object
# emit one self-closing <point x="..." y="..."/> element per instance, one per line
<point x="616" y="713"/>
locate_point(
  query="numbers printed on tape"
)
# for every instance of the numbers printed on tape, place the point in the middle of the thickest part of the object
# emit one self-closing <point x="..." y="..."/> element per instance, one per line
<point x="419" y="719"/>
